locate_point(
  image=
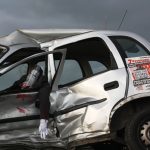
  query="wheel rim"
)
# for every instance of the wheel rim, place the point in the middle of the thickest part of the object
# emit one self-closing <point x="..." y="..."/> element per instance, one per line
<point x="145" y="133"/>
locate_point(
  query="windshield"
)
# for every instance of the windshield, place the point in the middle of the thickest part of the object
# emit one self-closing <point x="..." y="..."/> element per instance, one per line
<point x="3" y="50"/>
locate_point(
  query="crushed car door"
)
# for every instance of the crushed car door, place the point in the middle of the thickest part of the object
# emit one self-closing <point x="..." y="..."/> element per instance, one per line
<point x="19" y="111"/>
<point x="91" y="82"/>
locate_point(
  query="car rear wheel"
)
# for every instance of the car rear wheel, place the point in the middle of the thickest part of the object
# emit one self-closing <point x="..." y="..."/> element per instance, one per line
<point x="137" y="132"/>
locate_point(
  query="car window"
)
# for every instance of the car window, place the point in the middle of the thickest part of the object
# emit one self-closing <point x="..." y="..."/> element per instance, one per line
<point x="9" y="78"/>
<point x="71" y="72"/>
<point x="97" y="67"/>
<point x="130" y="47"/>
<point x="84" y="59"/>
<point x="42" y="65"/>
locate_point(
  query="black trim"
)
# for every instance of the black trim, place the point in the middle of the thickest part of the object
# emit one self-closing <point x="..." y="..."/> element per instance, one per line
<point x="119" y="48"/>
<point x="25" y="118"/>
<point x="67" y="110"/>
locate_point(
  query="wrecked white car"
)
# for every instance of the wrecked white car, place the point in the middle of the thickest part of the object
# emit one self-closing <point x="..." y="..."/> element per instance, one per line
<point x="100" y="88"/>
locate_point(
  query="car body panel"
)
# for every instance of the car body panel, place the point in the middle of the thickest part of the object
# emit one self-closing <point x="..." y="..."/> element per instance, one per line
<point x="89" y="119"/>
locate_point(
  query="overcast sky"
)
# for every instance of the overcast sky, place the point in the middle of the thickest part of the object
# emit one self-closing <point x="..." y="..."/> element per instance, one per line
<point x="91" y="14"/>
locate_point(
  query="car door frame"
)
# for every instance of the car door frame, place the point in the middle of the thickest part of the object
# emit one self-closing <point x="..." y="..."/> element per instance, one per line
<point x="65" y="41"/>
<point x="5" y="70"/>
<point x="120" y="65"/>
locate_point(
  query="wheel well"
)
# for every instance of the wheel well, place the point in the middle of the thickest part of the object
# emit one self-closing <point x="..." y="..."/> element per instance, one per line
<point x="121" y="117"/>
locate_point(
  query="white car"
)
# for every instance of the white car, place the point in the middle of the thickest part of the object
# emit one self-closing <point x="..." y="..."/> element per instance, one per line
<point x="100" y="88"/>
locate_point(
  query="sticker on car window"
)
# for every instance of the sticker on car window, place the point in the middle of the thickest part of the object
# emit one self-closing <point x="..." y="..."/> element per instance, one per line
<point x="139" y="69"/>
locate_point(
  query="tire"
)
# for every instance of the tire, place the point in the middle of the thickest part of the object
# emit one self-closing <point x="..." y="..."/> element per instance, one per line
<point x="85" y="148"/>
<point x="137" y="132"/>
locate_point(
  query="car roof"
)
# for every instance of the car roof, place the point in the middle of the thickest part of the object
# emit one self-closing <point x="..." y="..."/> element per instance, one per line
<point x="37" y="36"/>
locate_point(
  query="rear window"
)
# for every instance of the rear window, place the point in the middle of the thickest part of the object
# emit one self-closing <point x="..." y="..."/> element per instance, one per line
<point x="129" y="47"/>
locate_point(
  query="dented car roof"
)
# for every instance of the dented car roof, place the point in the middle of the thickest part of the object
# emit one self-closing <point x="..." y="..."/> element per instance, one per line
<point x="37" y="36"/>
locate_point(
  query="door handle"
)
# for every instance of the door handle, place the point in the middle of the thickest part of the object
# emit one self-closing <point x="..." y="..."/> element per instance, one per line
<point x="111" y="85"/>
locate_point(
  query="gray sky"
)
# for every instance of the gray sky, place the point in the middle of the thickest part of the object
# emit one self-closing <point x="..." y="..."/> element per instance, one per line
<point x="91" y="14"/>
